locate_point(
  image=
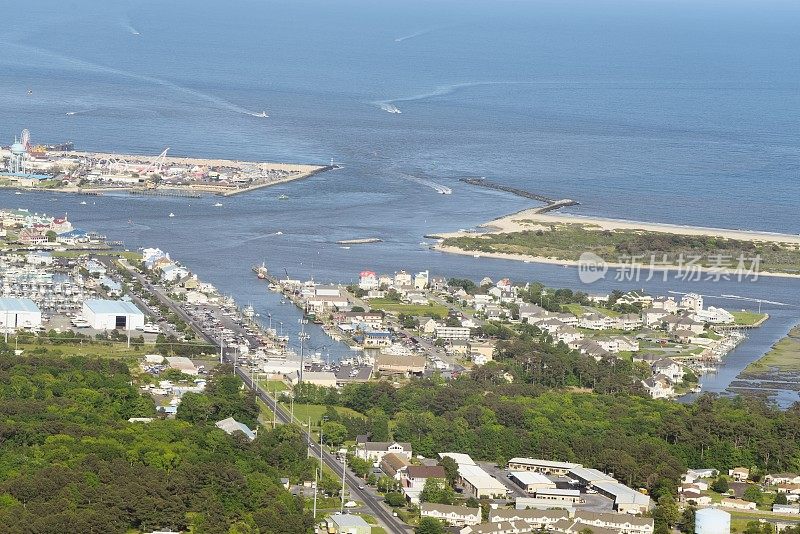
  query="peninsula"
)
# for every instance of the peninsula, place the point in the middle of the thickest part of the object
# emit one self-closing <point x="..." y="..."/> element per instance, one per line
<point x="60" y="168"/>
<point x="533" y="236"/>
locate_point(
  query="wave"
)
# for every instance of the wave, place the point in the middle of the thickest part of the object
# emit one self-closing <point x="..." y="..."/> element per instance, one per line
<point x="218" y="102"/>
<point x="80" y="112"/>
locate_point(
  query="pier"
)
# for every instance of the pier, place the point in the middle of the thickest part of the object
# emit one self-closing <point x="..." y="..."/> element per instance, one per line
<point x="550" y="203"/>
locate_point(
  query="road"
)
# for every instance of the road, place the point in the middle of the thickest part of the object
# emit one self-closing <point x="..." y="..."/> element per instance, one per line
<point x="371" y="501"/>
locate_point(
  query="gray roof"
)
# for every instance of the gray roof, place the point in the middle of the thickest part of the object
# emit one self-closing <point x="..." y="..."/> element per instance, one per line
<point x="348" y="520"/>
<point x="18" y="305"/>
<point x="122" y="307"/>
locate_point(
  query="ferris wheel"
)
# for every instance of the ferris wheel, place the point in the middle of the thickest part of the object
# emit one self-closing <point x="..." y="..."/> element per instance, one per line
<point x="25" y="138"/>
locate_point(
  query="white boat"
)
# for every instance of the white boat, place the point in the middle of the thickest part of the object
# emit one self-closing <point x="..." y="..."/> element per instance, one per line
<point x="248" y="311"/>
<point x="262" y="115"/>
<point x="83" y="202"/>
<point x="150" y="328"/>
<point x="171" y="214"/>
<point x="345" y="248"/>
<point x="283" y="197"/>
<point x="17" y="193"/>
<point x="218" y="205"/>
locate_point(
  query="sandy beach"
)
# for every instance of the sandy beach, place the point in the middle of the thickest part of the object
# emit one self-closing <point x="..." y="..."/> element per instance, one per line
<point x="531" y="220"/>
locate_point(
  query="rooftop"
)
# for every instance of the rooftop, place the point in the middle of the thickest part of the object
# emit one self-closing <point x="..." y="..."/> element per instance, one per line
<point x="18" y="305"/>
<point x="121" y="307"/>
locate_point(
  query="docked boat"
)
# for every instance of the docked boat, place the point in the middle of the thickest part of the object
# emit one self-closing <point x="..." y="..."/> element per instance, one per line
<point x="261" y="271"/>
<point x="248" y="311"/>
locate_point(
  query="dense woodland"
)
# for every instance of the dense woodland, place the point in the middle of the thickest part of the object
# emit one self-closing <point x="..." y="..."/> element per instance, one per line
<point x="646" y="443"/>
<point x="70" y="461"/>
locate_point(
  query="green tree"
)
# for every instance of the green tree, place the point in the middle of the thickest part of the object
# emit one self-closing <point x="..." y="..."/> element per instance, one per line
<point x="720" y="485"/>
<point x="51" y="236"/>
<point x="195" y="408"/>
<point x="429" y="525"/>
<point x="334" y="433"/>
<point x="436" y="490"/>
<point x="450" y="469"/>
<point x="780" y="498"/>
<point x="753" y="494"/>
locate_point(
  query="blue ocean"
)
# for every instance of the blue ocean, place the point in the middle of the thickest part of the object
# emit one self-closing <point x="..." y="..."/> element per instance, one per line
<point x="683" y="112"/>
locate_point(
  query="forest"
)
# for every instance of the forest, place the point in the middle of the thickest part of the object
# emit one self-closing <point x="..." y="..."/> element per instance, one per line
<point x="71" y="462"/>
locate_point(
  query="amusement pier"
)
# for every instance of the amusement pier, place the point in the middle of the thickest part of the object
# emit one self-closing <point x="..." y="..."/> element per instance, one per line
<point x="25" y="165"/>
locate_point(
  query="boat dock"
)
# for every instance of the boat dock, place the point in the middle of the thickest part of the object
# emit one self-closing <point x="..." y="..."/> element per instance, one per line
<point x="550" y="203"/>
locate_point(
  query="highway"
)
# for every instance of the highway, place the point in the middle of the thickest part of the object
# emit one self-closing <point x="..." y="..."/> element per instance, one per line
<point x="371" y="500"/>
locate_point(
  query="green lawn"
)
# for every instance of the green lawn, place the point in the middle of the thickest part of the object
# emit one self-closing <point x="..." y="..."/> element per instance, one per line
<point x="575" y="309"/>
<point x="747" y="318"/>
<point x="390" y="306"/>
<point x="315" y="412"/>
<point x="273" y="385"/>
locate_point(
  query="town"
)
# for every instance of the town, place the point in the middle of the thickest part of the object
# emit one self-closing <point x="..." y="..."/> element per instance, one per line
<point x="150" y="309"/>
<point x="60" y="168"/>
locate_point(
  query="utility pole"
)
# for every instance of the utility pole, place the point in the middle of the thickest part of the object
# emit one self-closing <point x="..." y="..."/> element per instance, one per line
<point x="275" y="407"/>
<point x="316" y="489"/>
<point x="128" y="327"/>
<point x="344" y="470"/>
<point x="302" y="338"/>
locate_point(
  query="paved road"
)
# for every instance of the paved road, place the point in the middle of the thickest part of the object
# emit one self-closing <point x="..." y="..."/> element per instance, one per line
<point x="371" y="501"/>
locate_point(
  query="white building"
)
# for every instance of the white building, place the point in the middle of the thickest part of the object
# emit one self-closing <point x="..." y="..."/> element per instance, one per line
<point x="112" y="314"/>
<point x="692" y="302"/>
<point x="458" y="516"/>
<point x="19" y="313"/>
<point x="531" y="481"/>
<point x="452" y="332"/>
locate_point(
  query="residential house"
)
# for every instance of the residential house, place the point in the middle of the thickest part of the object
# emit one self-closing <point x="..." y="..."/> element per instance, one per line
<point x="652" y="316"/>
<point x="636" y="297"/>
<point x="377" y="338"/>
<point x="669" y="368"/>
<point x="414" y="477"/>
<point x="594" y="321"/>
<point x="667" y="304"/>
<point x="568" y="335"/>
<point x="452" y="332"/>
<point x="374" y="451"/>
<point x="627" y="321"/>
<point x="692" y="302"/>
<point x="347" y="524"/>
<point x="782" y="478"/>
<point x="538" y="519"/>
<point x="739" y="474"/>
<point x="456" y="516"/>
<point x="738" y="504"/>
<point x="659" y="386"/>
<point x="394" y="465"/>
<point x="713" y="315"/>
<point x="402" y="279"/>
<point x="421" y="280"/>
<point x="368" y="281"/>
<point x="623" y="523"/>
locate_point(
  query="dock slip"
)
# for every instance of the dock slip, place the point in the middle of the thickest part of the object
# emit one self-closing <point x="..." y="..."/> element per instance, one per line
<point x="551" y="203"/>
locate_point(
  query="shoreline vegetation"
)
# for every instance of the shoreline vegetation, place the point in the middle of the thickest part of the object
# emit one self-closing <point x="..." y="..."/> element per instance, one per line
<point x="782" y="362"/>
<point x="561" y="239"/>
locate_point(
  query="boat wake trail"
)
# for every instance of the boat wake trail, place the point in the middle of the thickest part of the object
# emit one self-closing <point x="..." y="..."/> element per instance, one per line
<point x="80" y="112"/>
<point x="741" y="298"/>
<point x="439" y="188"/>
<point x="216" y="101"/>
<point x="131" y="29"/>
<point x="420" y="33"/>
<point x="442" y="90"/>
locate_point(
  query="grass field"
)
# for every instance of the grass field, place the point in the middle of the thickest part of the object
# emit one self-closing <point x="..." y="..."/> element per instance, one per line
<point x="128" y="255"/>
<point x="747" y="318"/>
<point x="273" y="385"/>
<point x="315" y="412"/>
<point x="89" y="348"/>
<point x="390" y="306"/>
<point x="783" y="357"/>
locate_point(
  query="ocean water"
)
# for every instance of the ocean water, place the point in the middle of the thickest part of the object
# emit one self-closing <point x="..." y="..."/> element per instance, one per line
<point x="682" y="112"/>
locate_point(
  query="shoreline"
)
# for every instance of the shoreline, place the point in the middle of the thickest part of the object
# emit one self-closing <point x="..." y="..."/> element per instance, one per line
<point x="527" y="219"/>
<point x="611" y="265"/>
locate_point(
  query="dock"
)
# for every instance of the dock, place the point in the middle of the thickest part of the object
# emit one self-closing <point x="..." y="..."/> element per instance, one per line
<point x="550" y="203"/>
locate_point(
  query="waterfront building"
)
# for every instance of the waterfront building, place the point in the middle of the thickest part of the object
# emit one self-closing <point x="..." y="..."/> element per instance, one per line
<point x="112" y="314"/>
<point x="17" y="313"/>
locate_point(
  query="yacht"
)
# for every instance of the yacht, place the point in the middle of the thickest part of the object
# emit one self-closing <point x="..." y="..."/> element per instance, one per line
<point x="171" y="214"/>
<point x="248" y="311"/>
<point x="218" y="205"/>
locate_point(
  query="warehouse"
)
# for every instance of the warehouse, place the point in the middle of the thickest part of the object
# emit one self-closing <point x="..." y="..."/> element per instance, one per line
<point x="112" y="315"/>
<point x="19" y="313"/>
<point x="531" y="481"/>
